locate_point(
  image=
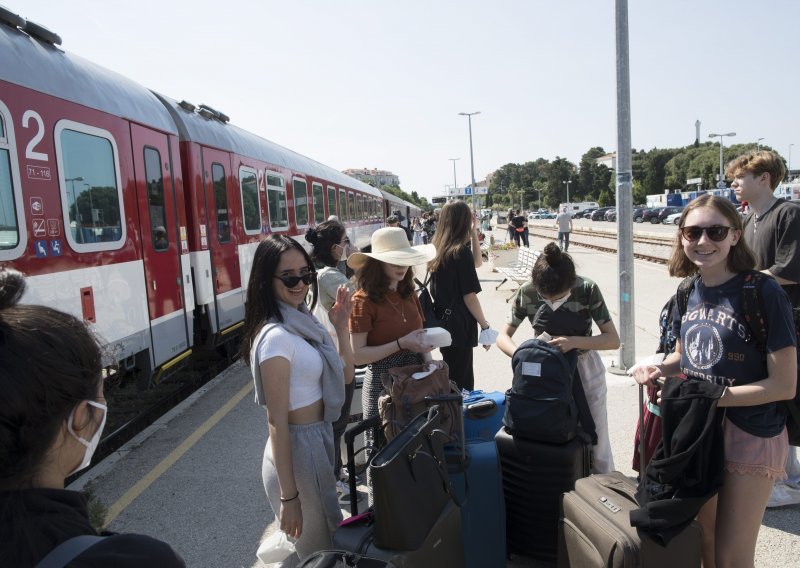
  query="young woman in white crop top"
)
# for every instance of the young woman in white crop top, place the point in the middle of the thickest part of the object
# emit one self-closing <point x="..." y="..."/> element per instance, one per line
<point x="299" y="377"/>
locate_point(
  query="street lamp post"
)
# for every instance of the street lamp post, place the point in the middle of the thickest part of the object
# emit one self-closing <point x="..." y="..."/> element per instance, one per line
<point x="758" y="143"/>
<point x="454" y="173"/>
<point x="471" y="161"/>
<point x="567" y="183"/>
<point x="721" y="182"/>
<point x="74" y="196"/>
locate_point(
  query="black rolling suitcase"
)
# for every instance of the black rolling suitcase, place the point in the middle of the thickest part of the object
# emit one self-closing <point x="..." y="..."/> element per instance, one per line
<point x="443" y="547"/>
<point x="595" y="527"/>
<point x="535" y="475"/>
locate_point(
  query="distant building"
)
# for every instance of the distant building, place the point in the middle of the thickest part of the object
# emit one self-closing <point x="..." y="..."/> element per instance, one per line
<point x="608" y="160"/>
<point x="374" y="177"/>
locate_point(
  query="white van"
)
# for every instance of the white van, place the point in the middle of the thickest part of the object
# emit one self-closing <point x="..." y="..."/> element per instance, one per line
<point x="573" y="208"/>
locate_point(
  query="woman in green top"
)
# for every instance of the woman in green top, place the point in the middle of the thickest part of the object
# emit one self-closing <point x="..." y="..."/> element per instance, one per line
<point x="563" y="305"/>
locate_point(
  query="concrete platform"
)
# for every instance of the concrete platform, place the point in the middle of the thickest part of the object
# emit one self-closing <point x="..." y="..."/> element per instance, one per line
<point x="193" y="479"/>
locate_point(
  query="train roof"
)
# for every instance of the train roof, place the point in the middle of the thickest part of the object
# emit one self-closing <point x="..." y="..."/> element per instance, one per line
<point x="393" y="198"/>
<point x="35" y="64"/>
<point x="211" y="131"/>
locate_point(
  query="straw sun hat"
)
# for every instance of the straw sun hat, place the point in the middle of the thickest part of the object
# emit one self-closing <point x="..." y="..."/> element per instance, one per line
<point x="390" y="245"/>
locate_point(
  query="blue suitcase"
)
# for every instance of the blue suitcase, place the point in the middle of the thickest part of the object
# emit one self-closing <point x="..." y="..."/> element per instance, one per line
<point x="483" y="414"/>
<point x="483" y="514"/>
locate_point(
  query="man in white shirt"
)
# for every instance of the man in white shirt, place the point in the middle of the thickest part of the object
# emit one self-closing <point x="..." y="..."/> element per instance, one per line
<point x="564" y="224"/>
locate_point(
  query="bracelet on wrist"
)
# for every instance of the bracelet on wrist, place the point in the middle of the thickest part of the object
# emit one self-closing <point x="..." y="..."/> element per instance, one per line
<point x="400" y="347"/>
<point x="487" y="326"/>
<point x="290" y="498"/>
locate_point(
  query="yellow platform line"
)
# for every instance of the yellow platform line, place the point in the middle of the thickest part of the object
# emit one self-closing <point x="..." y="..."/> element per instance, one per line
<point x="132" y="493"/>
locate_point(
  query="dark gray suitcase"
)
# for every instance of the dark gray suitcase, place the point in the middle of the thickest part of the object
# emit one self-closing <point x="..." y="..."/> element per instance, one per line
<point x="595" y="530"/>
<point x="443" y="547"/>
<point x="535" y="475"/>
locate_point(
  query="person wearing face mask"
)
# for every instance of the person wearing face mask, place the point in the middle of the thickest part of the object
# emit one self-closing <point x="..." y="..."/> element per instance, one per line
<point x="561" y="307"/>
<point x="52" y="415"/>
<point x="330" y="245"/>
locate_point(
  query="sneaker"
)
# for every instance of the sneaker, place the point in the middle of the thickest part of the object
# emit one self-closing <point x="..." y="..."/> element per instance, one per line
<point x="343" y="492"/>
<point x="783" y="495"/>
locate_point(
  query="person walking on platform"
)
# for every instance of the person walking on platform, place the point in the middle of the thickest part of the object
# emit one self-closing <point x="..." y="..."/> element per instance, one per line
<point x="329" y="243"/>
<point x="299" y="377"/>
<point x="716" y="344"/>
<point x="419" y="232"/>
<point x="52" y="414"/>
<point x="510" y="227"/>
<point x="386" y="321"/>
<point x="455" y="287"/>
<point x="563" y="305"/>
<point x="564" y="224"/>
<point x="772" y="231"/>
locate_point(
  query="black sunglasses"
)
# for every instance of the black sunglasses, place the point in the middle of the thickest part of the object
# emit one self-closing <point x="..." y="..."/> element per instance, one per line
<point x="291" y="281"/>
<point x="716" y="233"/>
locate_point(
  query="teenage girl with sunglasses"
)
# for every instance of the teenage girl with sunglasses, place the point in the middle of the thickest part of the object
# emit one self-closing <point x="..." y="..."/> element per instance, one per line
<point x="299" y="377"/>
<point x="716" y="344"/>
<point x="52" y="413"/>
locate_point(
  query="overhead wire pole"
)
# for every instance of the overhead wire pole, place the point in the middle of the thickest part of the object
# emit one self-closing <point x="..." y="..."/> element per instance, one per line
<point x="627" y="350"/>
<point x="471" y="160"/>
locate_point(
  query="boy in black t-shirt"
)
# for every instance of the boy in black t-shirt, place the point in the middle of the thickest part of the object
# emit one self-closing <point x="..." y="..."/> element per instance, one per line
<point x="772" y="230"/>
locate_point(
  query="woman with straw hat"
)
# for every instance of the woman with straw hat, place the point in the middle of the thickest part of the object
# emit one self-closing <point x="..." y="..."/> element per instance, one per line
<point x="386" y="321"/>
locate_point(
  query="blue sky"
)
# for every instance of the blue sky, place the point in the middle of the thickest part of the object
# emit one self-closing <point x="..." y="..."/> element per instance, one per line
<point x="373" y="83"/>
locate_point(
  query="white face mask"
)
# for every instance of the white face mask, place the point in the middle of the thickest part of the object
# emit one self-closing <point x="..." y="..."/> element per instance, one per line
<point x="555" y="304"/>
<point x="91" y="445"/>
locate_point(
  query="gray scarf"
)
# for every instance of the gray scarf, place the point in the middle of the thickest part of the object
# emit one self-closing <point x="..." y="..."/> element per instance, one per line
<point x="300" y="322"/>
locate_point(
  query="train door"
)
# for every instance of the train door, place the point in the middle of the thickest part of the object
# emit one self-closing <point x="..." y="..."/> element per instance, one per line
<point x="222" y="239"/>
<point x="160" y="243"/>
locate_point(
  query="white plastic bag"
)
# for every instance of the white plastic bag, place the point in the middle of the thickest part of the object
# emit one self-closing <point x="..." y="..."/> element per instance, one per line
<point x="276" y="548"/>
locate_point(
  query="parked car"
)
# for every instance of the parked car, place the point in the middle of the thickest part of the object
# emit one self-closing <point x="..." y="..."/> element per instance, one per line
<point x="585" y="214"/>
<point x="673" y="219"/>
<point x="638" y="214"/>
<point x="611" y="215"/>
<point x="600" y="214"/>
<point x="547" y="215"/>
<point x="651" y="215"/>
<point x="666" y="212"/>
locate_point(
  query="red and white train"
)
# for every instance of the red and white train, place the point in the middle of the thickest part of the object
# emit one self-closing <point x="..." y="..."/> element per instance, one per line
<point x="140" y="213"/>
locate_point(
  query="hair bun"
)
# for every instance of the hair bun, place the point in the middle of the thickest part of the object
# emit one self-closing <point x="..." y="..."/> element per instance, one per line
<point x="552" y="254"/>
<point x="12" y="286"/>
<point x="311" y="235"/>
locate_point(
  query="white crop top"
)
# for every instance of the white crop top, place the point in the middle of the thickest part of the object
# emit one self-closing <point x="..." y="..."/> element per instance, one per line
<point x="305" y="366"/>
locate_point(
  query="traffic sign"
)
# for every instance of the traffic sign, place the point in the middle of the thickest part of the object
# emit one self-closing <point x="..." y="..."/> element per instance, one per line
<point x="468" y="190"/>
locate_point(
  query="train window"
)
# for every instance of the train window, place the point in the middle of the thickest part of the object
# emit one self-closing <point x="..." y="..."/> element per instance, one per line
<point x="88" y="166"/>
<point x="221" y="203"/>
<point x="351" y="205"/>
<point x="342" y="208"/>
<point x="319" y="206"/>
<point x="332" y="201"/>
<point x="9" y="224"/>
<point x="251" y="208"/>
<point x="155" y="198"/>
<point x="362" y="208"/>
<point x="276" y="203"/>
<point x="300" y="194"/>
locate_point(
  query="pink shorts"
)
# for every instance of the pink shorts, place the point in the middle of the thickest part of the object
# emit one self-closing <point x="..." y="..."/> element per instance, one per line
<point x="746" y="454"/>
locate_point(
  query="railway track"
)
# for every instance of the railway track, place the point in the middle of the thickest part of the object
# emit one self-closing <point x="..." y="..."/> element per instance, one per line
<point x="651" y="248"/>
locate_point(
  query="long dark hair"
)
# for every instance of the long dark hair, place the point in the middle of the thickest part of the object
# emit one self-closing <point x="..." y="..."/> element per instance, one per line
<point x="553" y="272"/>
<point x="322" y="238"/>
<point x="373" y="280"/>
<point x="261" y="303"/>
<point x="452" y="233"/>
<point x="50" y="363"/>
<point x="740" y="256"/>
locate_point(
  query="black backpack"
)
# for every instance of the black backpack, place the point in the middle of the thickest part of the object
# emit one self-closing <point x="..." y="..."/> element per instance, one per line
<point x="546" y="401"/>
<point x="753" y="310"/>
<point x="518" y="221"/>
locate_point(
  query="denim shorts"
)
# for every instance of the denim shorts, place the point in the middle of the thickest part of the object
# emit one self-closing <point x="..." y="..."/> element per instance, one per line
<point x="747" y="454"/>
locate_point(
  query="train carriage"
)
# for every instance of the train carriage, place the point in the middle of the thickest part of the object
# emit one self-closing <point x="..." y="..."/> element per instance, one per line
<point x="139" y="213"/>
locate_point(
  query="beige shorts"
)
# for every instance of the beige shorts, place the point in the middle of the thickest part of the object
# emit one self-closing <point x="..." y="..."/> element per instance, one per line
<point x="746" y="454"/>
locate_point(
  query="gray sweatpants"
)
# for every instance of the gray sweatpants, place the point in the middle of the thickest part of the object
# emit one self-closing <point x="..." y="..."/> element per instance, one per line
<point x="312" y="460"/>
